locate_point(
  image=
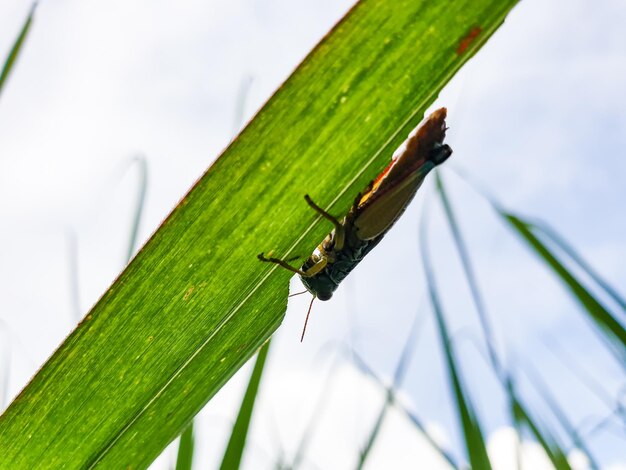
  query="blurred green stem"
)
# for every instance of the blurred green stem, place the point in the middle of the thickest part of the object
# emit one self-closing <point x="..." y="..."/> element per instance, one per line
<point x="17" y="47"/>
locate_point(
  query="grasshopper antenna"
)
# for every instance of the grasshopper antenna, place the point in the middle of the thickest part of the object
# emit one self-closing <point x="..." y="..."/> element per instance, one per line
<point x="298" y="293"/>
<point x="307" y="319"/>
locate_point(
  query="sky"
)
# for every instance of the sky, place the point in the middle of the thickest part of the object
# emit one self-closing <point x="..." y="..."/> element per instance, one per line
<point x="537" y="118"/>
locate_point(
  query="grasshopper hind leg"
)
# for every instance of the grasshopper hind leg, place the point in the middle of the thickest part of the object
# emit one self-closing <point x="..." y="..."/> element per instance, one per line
<point x="339" y="235"/>
<point x="322" y="212"/>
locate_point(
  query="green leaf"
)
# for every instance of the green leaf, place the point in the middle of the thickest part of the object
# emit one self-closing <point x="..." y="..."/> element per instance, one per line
<point x="237" y="442"/>
<point x="17" y="47"/>
<point x="195" y="303"/>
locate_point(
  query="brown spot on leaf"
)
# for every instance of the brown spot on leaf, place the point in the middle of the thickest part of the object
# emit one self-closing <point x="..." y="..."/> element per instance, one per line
<point x="188" y="293"/>
<point x="468" y="40"/>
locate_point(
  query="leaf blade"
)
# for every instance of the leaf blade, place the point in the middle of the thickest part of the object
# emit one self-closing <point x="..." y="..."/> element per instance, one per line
<point x="195" y="303"/>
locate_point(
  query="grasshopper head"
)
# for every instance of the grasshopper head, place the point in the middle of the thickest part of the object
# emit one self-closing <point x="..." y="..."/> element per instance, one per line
<point x="440" y="153"/>
<point x="320" y="285"/>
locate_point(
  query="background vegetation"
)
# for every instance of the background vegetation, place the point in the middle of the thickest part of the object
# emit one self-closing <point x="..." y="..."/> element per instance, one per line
<point x="174" y="326"/>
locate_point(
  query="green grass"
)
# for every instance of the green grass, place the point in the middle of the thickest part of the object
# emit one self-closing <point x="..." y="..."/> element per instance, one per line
<point x="522" y="416"/>
<point x="599" y="315"/>
<point x="468" y="420"/>
<point x="186" y="446"/>
<point x="237" y="441"/>
<point x="14" y="53"/>
<point x="195" y="304"/>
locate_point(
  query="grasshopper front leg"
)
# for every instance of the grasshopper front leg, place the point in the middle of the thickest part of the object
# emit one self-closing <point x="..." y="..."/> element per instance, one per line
<point x="281" y="263"/>
<point x="310" y="272"/>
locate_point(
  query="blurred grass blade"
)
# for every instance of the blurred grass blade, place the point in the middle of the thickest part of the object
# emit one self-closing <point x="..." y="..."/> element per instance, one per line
<point x="575" y="366"/>
<point x="237" y="441"/>
<point x="72" y="238"/>
<point x="398" y="378"/>
<point x="524" y="420"/>
<point x="143" y="178"/>
<point x="611" y="327"/>
<point x="391" y="396"/>
<point x="609" y="423"/>
<point x="17" y="47"/>
<point x="142" y="166"/>
<point x="407" y="351"/>
<point x="470" y="276"/>
<point x="560" y="242"/>
<point x="419" y="425"/>
<point x="559" y="414"/>
<point x="316" y="415"/>
<point x="184" y="458"/>
<point x="240" y="103"/>
<point x="501" y="373"/>
<point x="504" y="376"/>
<point x="239" y="113"/>
<point x="552" y="235"/>
<point x="475" y="447"/>
<point x="369" y="442"/>
<point x="5" y="362"/>
<point x="74" y="284"/>
<point x="195" y="303"/>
